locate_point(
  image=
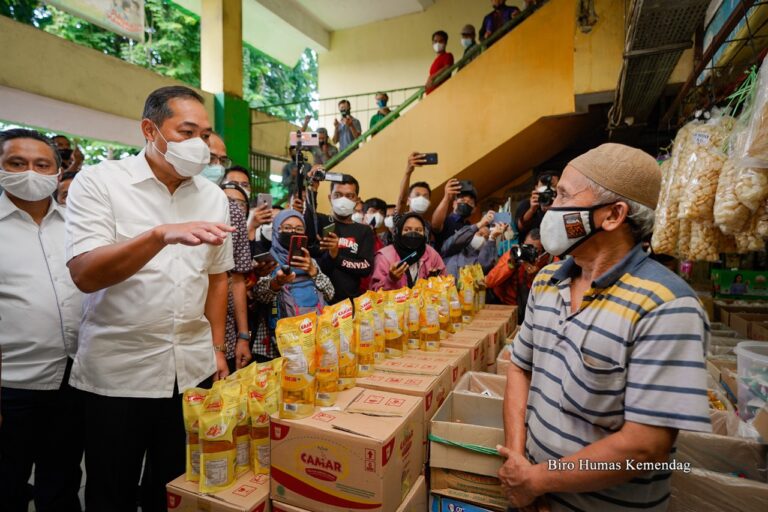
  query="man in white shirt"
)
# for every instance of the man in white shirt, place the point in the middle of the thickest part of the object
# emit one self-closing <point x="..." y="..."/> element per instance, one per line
<point x="147" y="240"/>
<point x="42" y="417"/>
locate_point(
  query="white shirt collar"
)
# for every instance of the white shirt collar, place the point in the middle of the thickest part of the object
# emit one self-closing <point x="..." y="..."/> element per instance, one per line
<point x="7" y="207"/>
<point x="140" y="170"/>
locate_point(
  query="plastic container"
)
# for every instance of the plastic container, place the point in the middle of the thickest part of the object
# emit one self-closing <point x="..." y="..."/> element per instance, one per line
<point x="752" y="367"/>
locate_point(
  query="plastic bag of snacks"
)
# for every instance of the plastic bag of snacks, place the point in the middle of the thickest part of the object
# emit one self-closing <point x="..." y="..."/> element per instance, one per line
<point x="730" y="215"/>
<point x="379" y="339"/>
<point x="218" y="452"/>
<point x="751" y="187"/>
<point x="327" y="360"/>
<point x="413" y="320"/>
<point x="395" y="331"/>
<point x="755" y="149"/>
<point x="762" y="220"/>
<point x="192" y="407"/>
<point x="705" y="241"/>
<point x="684" y="240"/>
<point x="429" y="321"/>
<point x="748" y="239"/>
<point x="343" y="321"/>
<point x="296" y="341"/>
<point x="365" y="338"/>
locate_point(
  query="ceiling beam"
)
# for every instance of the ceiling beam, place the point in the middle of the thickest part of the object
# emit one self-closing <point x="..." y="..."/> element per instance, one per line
<point x="294" y="15"/>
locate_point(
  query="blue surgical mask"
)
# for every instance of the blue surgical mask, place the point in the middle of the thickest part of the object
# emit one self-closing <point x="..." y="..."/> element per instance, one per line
<point x="213" y="172"/>
<point x="381" y="103"/>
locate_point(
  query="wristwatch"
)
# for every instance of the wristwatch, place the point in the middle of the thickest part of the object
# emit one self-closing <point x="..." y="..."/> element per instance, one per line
<point x="219" y="348"/>
<point x="244" y="336"/>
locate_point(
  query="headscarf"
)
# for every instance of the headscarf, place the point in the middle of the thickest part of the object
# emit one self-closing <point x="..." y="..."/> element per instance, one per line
<point x="398" y="239"/>
<point x="279" y="252"/>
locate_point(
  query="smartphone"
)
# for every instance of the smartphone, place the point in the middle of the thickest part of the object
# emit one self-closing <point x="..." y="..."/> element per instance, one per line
<point x="307" y="139"/>
<point x="298" y="242"/>
<point x="265" y="257"/>
<point x="502" y="218"/>
<point x="430" y="158"/>
<point x="263" y="199"/>
<point x="327" y="230"/>
<point x="466" y="186"/>
<point x="410" y="259"/>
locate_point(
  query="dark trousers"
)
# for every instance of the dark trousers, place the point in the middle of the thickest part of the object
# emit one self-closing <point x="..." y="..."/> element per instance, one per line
<point x="121" y="432"/>
<point x="44" y="429"/>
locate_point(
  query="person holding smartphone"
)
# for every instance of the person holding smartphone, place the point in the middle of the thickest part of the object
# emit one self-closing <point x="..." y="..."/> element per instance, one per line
<point x="296" y="286"/>
<point x="408" y="259"/>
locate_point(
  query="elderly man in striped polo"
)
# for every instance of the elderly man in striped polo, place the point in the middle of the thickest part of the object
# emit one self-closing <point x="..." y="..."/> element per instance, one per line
<point x="609" y="364"/>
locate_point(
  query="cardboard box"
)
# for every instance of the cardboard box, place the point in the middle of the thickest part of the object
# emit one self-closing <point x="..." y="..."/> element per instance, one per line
<point x="761" y="423"/>
<point x="249" y="493"/>
<point x="723" y="371"/>
<point x="363" y="454"/>
<point x="468" y="419"/>
<point x="475" y="342"/>
<point x="495" y="341"/>
<point x="503" y="360"/>
<point x="723" y="454"/>
<point x="458" y="358"/>
<point x="477" y="488"/>
<point x="416" y="501"/>
<point x="418" y="365"/>
<point x="760" y="331"/>
<point x="432" y="389"/>
<point x="742" y="322"/>
<point x="702" y="490"/>
<point x="509" y="316"/>
<point x="457" y="501"/>
<point x="728" y="312"/>
<point x="483" y="384"/>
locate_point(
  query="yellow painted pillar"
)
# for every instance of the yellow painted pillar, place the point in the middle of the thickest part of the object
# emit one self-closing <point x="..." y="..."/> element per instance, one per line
<point x="221" y="47"/>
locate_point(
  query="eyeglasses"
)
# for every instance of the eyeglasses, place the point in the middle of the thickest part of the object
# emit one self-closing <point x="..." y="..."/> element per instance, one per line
<point x="292" y="231"/>
<point x="244" y="184"/>
<point x="224" y="161"/>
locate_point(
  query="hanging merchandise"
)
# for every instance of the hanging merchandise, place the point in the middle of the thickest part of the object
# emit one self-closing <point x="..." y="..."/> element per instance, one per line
<point x="754" y="152"/>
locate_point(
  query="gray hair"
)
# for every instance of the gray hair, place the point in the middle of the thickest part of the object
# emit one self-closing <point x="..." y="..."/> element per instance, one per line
<point x="640" y="218"/>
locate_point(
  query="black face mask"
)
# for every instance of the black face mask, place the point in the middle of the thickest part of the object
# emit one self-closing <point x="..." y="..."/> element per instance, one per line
<point x="65" y="154"/>
<point x="413" y="241"/>
<point x="464" y="210"/>
<point x="285" y="239"/>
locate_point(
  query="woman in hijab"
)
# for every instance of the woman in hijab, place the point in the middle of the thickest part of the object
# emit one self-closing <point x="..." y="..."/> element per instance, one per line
<point x="294" y="288"/>
<point x="410" y="244"/>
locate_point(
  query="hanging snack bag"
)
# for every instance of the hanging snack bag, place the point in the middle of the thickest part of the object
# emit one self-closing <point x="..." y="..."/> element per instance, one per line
<point x="296" y="341"/>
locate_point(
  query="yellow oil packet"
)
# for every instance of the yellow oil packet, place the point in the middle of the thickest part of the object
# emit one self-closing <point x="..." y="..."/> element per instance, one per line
<point x="429" y="328"/>
<point x="243" y="435"/>
<point x="262" y="396"/>
<point x="395" y="330"/>
<point x="193" y="401"/>
<point x="412" y="318"/>
<point x="218" y="451"/>
<point x="296" y="341"/>
<point x="467" y="295"/>
<point x="364" y="335"/>
<point x="327" y="348"/>
<point x="343" y="322"/>
<point x="379" y="338"/>
<point x="454" y="303"/>
<point x="443" y="310"/>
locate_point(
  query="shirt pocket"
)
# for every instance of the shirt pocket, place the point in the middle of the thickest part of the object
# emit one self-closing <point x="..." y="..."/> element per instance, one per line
<point x="594" y="390"/>
<point x="128" y="229"/>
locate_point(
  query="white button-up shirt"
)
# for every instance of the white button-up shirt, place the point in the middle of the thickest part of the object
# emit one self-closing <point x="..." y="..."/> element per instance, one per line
<point x="40" y="306"/>
<point x="139" y="336"/>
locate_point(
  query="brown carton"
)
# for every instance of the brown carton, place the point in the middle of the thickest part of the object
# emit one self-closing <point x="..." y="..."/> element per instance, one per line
<point x="483" y="384"/>
<point x="504" y="360"/>
<point x="416" y="501"/>
<point x="485" y="490"/>
<point x="473" y="341"/>
<point x="742" y="323"/>
<point x="458" y="358"/>
<point x="363" y="454"/>
<point x="509" y="318"/>
<point x="703" y="490"/>
<point x="760" y="331"/>
<point x="418" y="365"/>
<point x="249" y="493"/>
<point x="495" y="341"/>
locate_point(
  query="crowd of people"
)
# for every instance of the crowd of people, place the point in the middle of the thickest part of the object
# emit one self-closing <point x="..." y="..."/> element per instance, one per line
<point x="127" y="282"/>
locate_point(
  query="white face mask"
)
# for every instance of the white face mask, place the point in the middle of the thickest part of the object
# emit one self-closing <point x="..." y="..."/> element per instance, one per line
<point x="477" y="242"/>
<point x="266" y="232"/>
<point x="509" y="234"/>
<point x="188" y="157"/>
<point x="29" y="185"/>
<point x="344" y="207"/>
<point x="357" y="217"/>
<point x="466" y="43"/>
<point x="419" y="204"/>
<point x="213" y="172"/>
<point x="438" y="47"/>
<point x="375" y="220"/>
<point x="563" y="229"/>
<point x="389" y="222"/>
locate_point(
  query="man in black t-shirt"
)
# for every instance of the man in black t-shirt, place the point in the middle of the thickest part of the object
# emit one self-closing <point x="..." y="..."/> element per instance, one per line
<point x="531" y="211"/>
<point x="346" y="255"/>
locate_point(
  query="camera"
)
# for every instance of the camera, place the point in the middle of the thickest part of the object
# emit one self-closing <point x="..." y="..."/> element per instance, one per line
<point x="319" y="175"/>
<point x="548" y="195"/>
<point x="525" y="252"/>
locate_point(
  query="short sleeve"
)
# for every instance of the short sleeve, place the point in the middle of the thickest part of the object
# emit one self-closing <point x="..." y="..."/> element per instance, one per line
<point x="222" y="259"/>
<point x="666" y="373"/>
<point x="90" y="221"/>
<point x="522" y="346"/>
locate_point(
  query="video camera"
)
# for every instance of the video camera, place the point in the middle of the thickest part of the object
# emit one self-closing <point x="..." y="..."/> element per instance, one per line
<point x="524" y="252"/>
<point x="548" y="195"/>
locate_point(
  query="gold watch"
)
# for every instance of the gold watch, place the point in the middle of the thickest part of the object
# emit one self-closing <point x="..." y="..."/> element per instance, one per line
<point x="220" y="348"/>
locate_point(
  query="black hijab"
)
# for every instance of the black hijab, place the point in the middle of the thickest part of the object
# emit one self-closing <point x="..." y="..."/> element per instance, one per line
<point x="401" y="246"/>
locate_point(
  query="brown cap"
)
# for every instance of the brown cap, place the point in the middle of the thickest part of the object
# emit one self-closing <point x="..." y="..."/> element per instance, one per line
<point x="626" y="171"/>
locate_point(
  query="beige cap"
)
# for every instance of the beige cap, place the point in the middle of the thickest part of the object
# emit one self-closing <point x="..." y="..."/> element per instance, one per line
<point x="626" y="171"/>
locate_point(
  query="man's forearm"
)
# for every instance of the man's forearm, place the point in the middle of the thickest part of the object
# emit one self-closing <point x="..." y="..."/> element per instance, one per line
<point x="216" y="306"/>
<point x="402" y="199"/>
<point x="634" y="442"/>
<point x="440" y="214"/>
<point x="112" y="264"/>
<point x="515" y="403"/>
<point x="240" y="298"/>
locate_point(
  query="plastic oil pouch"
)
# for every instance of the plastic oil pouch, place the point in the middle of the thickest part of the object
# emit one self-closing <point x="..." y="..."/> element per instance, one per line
<point x="296" y="341"/>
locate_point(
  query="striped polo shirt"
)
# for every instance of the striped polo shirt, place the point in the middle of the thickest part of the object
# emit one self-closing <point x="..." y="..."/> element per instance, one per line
<point x="634" y="351"/>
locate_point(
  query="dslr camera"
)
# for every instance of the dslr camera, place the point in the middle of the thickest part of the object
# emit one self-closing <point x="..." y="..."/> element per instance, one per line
<point x="548" y="195"/>
<point x="524" y="253"/>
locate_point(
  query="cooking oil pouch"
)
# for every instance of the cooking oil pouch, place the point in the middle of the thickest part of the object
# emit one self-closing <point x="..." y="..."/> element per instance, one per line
<point x="412" y="318"/>
<point x="327" y="374"/>
<point x="429" y="328"/>
<point x="296" y="341"/>
<point x="454" y="304"/>
<point x="379" y="338"/>
<point x="365" y="338"/>
<point x="343" y="322"/>
<point x="477" y="271"/>
<point x="467" y="295"/>
<point x="218" y="452"/>
<point x="193" y="406"/>
<point x="444" y="311"/>
<point x="395" y="331"/>
<point x="243" y="435"/>
<point x="259" y="413"/>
